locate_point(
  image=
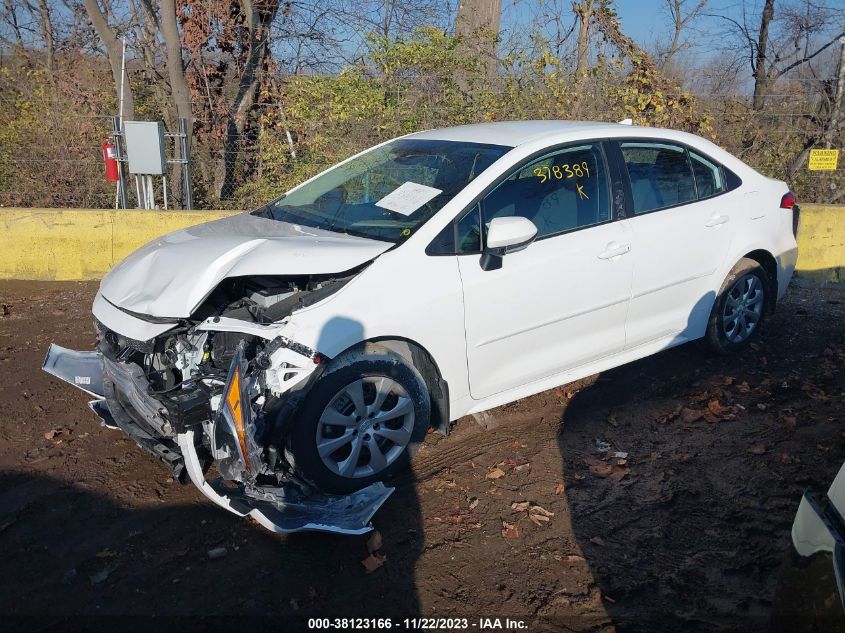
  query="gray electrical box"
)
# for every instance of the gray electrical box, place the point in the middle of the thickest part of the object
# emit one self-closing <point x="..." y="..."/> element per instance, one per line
<point x="145" y="147"/>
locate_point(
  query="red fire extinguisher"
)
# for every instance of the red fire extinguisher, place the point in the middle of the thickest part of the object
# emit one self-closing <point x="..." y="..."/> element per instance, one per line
<point x="110" y="160"/>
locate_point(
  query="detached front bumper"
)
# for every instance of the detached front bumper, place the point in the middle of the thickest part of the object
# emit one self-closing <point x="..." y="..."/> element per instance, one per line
<point x="122" y="401"/>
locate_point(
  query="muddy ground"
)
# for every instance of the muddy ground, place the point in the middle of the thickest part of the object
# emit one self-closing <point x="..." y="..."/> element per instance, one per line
<point x="689" y="533"/>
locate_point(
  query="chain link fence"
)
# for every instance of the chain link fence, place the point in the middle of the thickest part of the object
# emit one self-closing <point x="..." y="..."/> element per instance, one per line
<point x="62" y="165"/>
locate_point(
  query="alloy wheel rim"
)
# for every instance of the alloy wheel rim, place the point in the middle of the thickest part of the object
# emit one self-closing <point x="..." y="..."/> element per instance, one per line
<point x="743" y="308"/>
<point x="365" y="427"/>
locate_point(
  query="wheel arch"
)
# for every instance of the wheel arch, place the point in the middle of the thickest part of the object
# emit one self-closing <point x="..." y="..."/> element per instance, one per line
<point x="422" y="360"/>
<point x="770" y="265"/>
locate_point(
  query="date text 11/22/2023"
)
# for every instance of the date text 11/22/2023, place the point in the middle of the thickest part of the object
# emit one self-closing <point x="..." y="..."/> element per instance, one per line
<point x="418" y="624"/>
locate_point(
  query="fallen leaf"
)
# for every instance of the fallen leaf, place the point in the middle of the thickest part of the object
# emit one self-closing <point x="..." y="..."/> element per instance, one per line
<point x="375" y="542"/>
<point x="373" y="562"/>
<point x="597" y="540"/>
<point x="717" y="408"/>
<point x="691" y="415"/>
<point x="522" y="468"/>
<point x="536" y="514"/>
<point x="743" y="387"/>
<point x="540" y="511"/>
<point x="473" y="502"/>
<point x="496" y="473"/>
<point x="619" y="474"/>
<point x="598" y="468"/>
<point x="559" y="488"/>
<point x="757" y="449"/>
<point x="509" y="530"/>
<point x="668" y="417"/>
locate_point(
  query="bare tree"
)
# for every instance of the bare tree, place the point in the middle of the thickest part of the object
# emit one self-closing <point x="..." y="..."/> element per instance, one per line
<point x="259" y="16"/>
<point x="47" y="35"/>
<point x="584" y="11"/>
<point x="114" y="51"/>
<point x="683" y="13"/>
<point x="477" y="21"/>
<point x="785" y="39"/>
<point x="760" y="69"/>
<point x="181" y="94"/>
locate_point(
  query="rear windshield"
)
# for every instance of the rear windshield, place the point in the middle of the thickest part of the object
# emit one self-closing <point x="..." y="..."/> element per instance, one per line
<point x="387" y="193"/>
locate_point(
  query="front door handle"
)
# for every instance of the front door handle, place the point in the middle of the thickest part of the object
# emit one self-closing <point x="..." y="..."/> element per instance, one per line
<point x="716" y="220"/>
<point x="614" y="250"/>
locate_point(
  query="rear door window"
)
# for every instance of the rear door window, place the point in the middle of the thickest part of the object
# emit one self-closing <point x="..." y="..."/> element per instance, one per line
<point x="660" y="175"/>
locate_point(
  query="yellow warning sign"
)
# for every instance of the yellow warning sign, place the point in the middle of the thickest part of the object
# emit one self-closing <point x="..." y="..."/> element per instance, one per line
<point x="823" y="159"/>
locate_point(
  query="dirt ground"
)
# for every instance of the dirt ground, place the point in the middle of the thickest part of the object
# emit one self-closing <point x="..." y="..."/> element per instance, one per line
<point x="689" y="532"/>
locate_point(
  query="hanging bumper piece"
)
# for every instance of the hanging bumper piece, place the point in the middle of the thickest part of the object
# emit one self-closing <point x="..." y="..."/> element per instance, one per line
<point x="282" y="509"/>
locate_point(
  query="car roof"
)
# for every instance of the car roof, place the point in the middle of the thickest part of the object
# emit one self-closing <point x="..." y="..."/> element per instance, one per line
<point x="514" y="133"/>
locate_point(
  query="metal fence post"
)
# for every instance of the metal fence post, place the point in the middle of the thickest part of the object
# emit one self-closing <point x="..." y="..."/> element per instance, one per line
<point x="186" y="163"/>
<point x="121" y="166"/>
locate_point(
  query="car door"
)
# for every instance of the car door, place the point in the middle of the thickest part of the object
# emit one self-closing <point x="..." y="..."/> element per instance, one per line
<point x="560" y="302"/>
<point x="681" y="235"/>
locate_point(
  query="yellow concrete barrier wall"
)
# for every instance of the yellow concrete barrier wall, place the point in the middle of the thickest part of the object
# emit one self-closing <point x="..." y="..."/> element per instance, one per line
<point x="80" y="244"/>
<point x="821" y="245"/>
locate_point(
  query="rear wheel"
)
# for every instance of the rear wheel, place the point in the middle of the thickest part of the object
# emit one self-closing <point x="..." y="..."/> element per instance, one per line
<point x="361" y="422"/>
<point x="740" y="308"/>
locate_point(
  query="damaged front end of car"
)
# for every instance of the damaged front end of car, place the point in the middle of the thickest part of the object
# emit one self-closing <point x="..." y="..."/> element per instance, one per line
<point x="217" y="393"/>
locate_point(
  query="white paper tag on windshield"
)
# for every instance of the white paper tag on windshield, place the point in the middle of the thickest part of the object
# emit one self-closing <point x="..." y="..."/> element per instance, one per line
<point x="407" y="198"/>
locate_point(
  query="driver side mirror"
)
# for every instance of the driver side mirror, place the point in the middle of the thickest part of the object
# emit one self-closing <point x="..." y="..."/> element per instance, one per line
<point x="506" y="235"/>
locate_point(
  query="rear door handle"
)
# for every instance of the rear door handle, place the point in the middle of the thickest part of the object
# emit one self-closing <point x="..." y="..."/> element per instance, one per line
<point x="716" y="220"/>
<point x="614" y="250"/>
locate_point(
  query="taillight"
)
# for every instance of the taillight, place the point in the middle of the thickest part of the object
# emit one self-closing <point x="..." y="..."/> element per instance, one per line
<point x="788" y="202"/>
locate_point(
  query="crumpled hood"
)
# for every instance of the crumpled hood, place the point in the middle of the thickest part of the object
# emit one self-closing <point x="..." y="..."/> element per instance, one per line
<point x="170" y="276"/>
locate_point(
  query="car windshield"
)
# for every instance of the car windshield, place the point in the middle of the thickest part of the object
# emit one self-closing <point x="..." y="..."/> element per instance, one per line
<point x="387" y="193"/>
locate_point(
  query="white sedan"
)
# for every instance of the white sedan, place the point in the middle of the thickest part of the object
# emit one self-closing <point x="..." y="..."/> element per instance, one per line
<point x="305" y="348"/>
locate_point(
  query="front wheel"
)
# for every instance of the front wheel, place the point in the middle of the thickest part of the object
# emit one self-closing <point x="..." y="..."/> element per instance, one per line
<point x="740" y="307"/>
<point x="361" y="422"/>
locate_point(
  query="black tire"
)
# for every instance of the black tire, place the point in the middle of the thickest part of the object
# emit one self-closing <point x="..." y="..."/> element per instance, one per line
<point x="372" y="363"/>
<point x="717" y="336"/>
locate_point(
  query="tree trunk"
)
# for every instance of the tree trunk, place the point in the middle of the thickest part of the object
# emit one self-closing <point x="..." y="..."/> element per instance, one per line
<point x="180" y="94"/>
<point x="761" y="69"/>
<point x="47" y="33"/>
<point x="475" y="20"/>
<point x="114" y="50"/>
<point x="260" y="15"/>
<point x="584" y="11"/>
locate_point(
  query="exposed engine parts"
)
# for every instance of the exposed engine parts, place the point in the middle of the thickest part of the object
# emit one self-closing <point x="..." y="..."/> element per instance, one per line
<point x="220" y="388"/>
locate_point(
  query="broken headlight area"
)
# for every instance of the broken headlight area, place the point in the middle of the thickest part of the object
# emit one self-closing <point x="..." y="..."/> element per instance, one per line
<point x="217" y="396"/>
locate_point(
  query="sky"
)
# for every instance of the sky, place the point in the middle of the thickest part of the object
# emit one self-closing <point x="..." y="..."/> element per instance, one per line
<point x="647" y="20"/>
